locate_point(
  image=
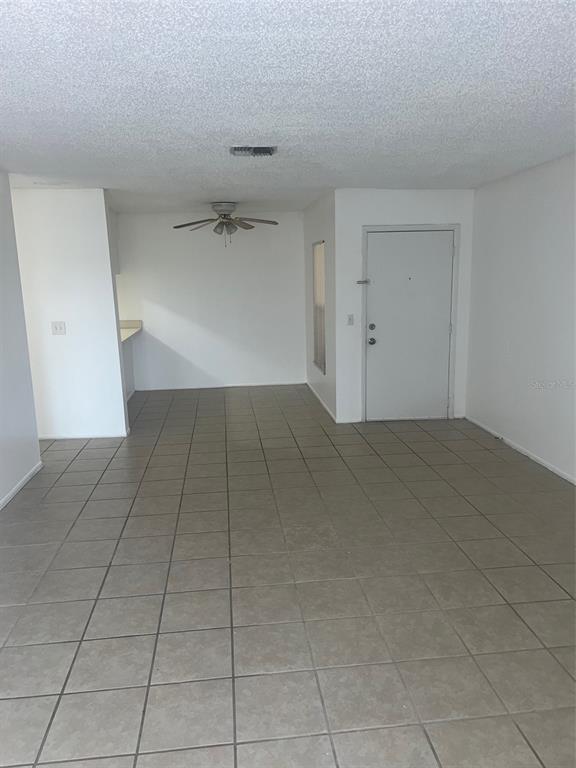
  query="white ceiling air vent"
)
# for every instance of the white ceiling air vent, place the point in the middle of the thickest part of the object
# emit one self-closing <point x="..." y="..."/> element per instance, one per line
<point x="253" y="151"/>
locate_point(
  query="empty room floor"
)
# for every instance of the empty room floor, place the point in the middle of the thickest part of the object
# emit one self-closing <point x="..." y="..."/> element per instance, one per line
<point x="242" y="583"/>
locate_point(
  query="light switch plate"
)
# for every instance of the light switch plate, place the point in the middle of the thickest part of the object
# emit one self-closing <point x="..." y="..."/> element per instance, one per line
<point x="58" y="328"/>
<point x="350" y="320"/>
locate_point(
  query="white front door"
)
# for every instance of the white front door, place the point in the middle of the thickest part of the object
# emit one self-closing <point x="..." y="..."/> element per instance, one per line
<point x="408" y="316"/>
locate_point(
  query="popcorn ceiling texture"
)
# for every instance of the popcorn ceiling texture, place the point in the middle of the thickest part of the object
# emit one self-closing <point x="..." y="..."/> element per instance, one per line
<point x="146" y="96"/>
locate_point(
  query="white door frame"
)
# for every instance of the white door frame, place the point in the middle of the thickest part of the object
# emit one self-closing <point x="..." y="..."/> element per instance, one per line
<point x="371" y="228"/>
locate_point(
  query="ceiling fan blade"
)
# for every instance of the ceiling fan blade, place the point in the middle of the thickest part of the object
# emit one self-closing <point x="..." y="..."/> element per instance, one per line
<point x="219" y="228"/>
<point x="192" y="223"/>
<point x="199" y="226"/>
<point x="258" y="221"/>
<point x="243" y="224"/>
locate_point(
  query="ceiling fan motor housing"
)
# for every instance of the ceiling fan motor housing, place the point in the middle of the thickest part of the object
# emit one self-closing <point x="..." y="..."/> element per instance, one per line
<point x="224" y="208"/>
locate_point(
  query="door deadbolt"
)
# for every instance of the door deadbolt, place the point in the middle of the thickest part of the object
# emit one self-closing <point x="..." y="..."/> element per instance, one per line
<point x="371" y="341"/>
<point x="372" y="326"/>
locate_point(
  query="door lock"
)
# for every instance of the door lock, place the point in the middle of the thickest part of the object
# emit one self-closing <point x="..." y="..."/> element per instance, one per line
<point x="371" y="341"/>
<point x="372" y="326"/>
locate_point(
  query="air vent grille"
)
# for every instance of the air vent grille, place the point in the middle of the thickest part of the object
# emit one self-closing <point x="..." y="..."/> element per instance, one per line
<point x="253" y="151"/>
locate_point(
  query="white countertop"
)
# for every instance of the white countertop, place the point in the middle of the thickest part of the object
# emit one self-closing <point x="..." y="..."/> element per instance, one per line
<point x="129" y="328"/>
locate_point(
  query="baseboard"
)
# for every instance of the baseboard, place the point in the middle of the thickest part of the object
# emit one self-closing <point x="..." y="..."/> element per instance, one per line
<point x="79" y="437"/>
<point x="322" y="403"/>
<point x="225" y="386"/>
<point x="524" y="451"/>
<point x="28" y="476"/>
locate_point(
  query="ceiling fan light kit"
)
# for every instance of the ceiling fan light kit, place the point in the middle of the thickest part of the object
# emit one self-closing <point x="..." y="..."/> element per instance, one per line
<point x="224" y="221"/>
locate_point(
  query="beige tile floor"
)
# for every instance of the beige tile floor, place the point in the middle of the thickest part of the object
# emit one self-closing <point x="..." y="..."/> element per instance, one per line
<point x="242" y="583"/>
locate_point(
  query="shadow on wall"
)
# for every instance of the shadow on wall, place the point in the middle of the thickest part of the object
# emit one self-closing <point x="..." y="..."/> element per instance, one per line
<point x="164" y="365"/>
<point x="214" y="316"/>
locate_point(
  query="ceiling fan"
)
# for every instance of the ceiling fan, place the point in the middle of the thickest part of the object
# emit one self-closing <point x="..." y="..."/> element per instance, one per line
<point x="225" y="222"/>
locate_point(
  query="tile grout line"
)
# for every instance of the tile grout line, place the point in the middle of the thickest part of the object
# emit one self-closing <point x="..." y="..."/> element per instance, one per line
<point x="79" y="642"/>
<point x="315" y="670"/>
<point x="61" y="544"/>
<point x="163" y="601"/>
<point x="231" y="597"/>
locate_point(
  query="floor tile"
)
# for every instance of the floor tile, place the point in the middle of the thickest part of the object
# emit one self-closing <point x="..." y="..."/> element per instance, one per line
<point x="120" y="662"/>
<point x="153" y="549"/>
<point x="83" y="554"/>
<point x="102" y="723"/>
<point x="102" y="762"/>
<point x="9" y="615"/>
<point x="265" y="605"/>
<point x="28" y="533"/>
<point x="29" y="557"/>
<point x="449" y="688"/>
<point x="106" y="508"/>
<point x="552" y="735"/>
<point x="188" y="715"/>
<point x="494" y="553"/>
<point x="276" y="706"/>
<point x="473" y="527"/>
<point x="404" y="747"/>
<point x="156" y="505"/>
<point x="462" y="588"/>
<point x="527" y="680"/>
<point x="257" y="542"/>
<point x="149" y="525"/>
<point x="187" y="656"/>
<point x="332" y="599"/>
<point x="346" y="641"/>
<point x="117" y="616"/>
<point x="74" y="584"/>
<point x="208" y="757"/>
<point x="486" y="743"/>
<point x="564" y="574"/>
<point x="255" y="570"/>
<point x="372" y="575"/>
<point x="523" y="585"/>
<point x="96" y="529"/>
<point x="554" y="622"/>
<point x="271" y="648"/>
<point x="23" y="723"/>
<point x="51" y="623"/>
<point x="34" y="670"/>
<point x="304" y="752"/>
<point x="398" y="593"/>
<point x="567" y="657"/>
<point x="365" y="697"/>
<point x="128" y="580"/>
<point x="491" y="629"/>
<point x="198" y="545"/>
<point x="188" y="575"/>
<point x="196" y="610"/>
<point x="420" y="635"/>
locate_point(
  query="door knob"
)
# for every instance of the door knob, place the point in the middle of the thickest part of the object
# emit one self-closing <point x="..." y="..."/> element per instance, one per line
<point x="371" y="340"/>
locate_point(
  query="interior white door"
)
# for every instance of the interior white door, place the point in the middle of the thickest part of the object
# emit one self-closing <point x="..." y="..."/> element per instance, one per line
<point x="408" y="319"/>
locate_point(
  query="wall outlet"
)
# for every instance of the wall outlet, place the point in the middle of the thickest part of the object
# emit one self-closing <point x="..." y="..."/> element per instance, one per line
<point x="58" y="328"/>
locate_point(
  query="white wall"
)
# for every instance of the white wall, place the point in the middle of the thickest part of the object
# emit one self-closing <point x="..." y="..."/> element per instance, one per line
<point x="66" y="275"/>
<point x="213" y="316"/>
<point x="522" y="367"/>
<point x="19" y="453"/>
<point x="358" y="207"/>
<point x="128" y="368"/>
<point x="319" y="225"/>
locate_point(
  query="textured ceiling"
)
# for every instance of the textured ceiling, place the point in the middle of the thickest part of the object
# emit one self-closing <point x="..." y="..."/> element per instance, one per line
<point x="146" y="96"/>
